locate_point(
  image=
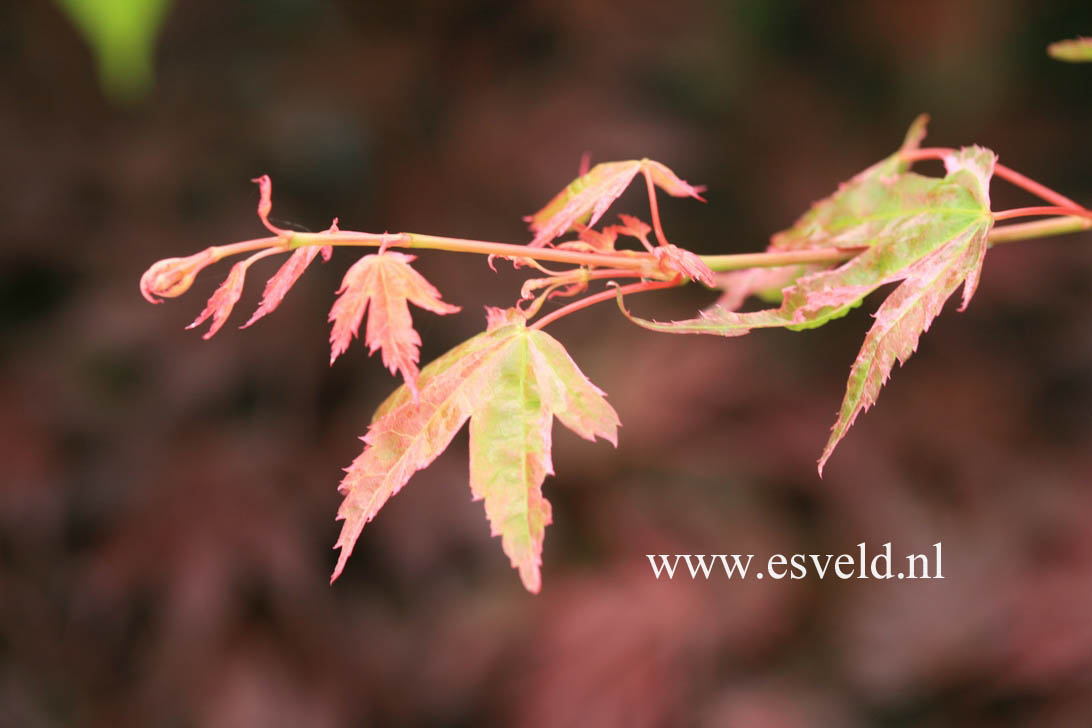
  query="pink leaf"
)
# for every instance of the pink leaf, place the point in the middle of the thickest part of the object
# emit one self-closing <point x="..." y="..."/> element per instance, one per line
<point x="666" y="180"/>
<point x="388" y="283"/>
<point x="583" y="201"/>
<point x="635" y="228"/>
<point x="586" y="198"/>
<point x="223" y="299"/>
<point x="286" y="276"/>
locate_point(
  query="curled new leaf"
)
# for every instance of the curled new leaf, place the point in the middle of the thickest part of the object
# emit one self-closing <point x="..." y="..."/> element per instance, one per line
<point x="172" y="277"/>
<point x="388" y="283"/>
<point x="265" y="202"/>
<point x="510" y="382"/>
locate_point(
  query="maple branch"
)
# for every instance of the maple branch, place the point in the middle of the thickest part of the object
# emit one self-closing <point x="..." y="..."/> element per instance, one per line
<point x="511" y="380"/>
<point x="629" y="260"/>
<point x="605" y="296"/>
<point x="1039" y="229"/>
<point x="1042" y="210"/>
<point x="741" y="261"/>
<point x="219" y="252"/>
<point x="1079" y="220"/>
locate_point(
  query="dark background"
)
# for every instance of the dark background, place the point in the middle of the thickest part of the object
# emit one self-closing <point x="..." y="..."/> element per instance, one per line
<point x="167" y="504"/>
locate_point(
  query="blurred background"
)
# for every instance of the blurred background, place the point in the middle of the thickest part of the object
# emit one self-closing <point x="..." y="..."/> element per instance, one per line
<point x="167" y="504"/>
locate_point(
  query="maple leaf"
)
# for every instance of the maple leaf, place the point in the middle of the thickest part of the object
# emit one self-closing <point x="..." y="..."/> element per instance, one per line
<point x="587" y="197"/>
<point x="635" y="228"/>
<point x="510" y="382"/>
<point x="388" y="283"/>
<point x="813" y="228"/>
<point x="286" y="276"/>
<point x="929" y="233"/>
<point x="223" y="300"/>
<point x="927" y="283"/>
<point x="590" y="239"/>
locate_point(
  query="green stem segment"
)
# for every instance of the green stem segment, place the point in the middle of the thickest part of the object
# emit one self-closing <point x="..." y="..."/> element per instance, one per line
<point x="1039" y="229"/>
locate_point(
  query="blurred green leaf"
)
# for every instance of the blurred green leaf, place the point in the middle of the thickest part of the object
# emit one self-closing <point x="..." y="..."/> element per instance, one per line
<point x="1078" y="50"/>
<point x="122" y="35"/>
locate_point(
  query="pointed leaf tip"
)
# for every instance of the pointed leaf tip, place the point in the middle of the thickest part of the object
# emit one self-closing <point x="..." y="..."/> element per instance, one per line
<point x="670" y="183"/>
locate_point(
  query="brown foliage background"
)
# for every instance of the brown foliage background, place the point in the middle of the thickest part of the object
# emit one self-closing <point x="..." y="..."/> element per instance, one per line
<point x="166" y="504"/>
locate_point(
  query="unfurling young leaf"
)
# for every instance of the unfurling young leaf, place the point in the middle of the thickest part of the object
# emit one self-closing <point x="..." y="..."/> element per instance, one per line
<point x="929" y="233"/>
<point x="587" y="197"/>
<point x="172" y="277"/>
<point x="388" y="283"/>
<point x="510" y="382"/>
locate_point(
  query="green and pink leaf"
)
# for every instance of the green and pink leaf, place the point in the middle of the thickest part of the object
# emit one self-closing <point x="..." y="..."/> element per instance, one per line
<point x="929" y="233"/>
<point x="587" y="198"/>
<point x="927" y="284"/>
<point x="510" y="382"/>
